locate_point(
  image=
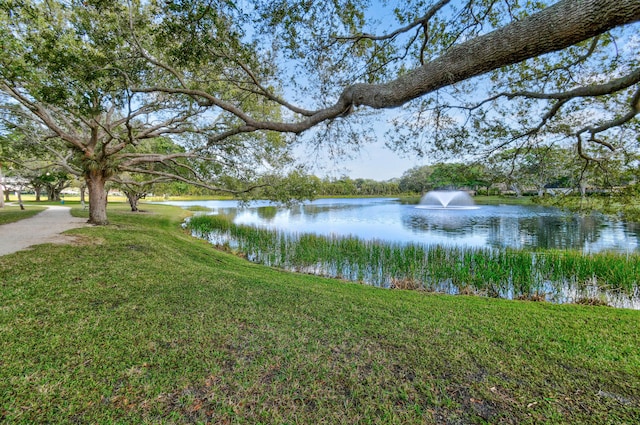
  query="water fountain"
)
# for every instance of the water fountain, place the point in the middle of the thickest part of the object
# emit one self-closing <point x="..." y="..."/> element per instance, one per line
<point x="450" y="199"/>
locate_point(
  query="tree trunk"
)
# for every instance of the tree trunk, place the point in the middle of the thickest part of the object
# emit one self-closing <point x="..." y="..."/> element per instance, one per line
<point x="583" y="189"/>
<point x="20" y="198"/>
<point x="83" y="188"/>
<point x="133" y="199"/>
<point x="54" y="193"/>
<point x="133" y="202"/>
<point x="37" y="190"/>
<point x="1" y="189"/>
<point x="96" y="181"/>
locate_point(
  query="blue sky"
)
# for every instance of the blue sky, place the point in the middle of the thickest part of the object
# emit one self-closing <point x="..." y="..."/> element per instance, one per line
<point x="378" y="163"/>
<point x="373" y="161"/>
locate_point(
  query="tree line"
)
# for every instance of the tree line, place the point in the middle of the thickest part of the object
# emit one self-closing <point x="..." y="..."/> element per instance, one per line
<point x="547" y="170"/>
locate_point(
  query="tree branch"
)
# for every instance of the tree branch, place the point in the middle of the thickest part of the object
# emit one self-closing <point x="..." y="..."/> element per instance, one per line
<point x="417" y="23"/>
<point x="634" y="109"/>
<point x="42" y="114"/>
<point x="557" y="27"/>
<point x="554" y="28"/>
<point x="198" y="183"/>
<point x="585" y="91"/>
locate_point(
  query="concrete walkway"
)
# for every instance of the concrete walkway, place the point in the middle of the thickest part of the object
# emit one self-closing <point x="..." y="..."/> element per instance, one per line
<point x="45" y="227"/>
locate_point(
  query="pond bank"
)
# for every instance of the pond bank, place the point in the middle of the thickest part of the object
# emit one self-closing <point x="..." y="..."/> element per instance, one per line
<point x="551" y="275"/>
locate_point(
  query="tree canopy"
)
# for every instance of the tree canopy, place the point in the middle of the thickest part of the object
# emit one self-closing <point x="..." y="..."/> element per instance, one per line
<point x="229" y="81"/>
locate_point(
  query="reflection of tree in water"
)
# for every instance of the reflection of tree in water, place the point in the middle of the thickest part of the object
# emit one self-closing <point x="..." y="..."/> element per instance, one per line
<point x="544" y="231"/>
<point x="267" y="213"/>
<point x="313" y="212"/>
<point x="311" y="209"/>
<point x="310" y="212"/>
<point x="296" y="210"/>
<point x="229" y="213"/>
<point x="450" y="223"/>
<point x="502" y="232"/>
<point x="633" y="229"/>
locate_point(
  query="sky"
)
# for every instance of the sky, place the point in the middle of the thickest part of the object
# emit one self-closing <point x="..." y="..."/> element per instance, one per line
<point x="373" y="161"/>
<point x="378" y="163"/>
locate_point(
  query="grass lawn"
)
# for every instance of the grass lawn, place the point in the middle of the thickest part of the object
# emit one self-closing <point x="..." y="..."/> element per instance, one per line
<point x="11" y="213"/>
<point x="140" y="323"/>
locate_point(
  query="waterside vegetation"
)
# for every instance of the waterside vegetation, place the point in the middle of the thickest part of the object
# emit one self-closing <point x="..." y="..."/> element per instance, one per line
<point x="557" y="275"/>
<point x="624" y="203"/>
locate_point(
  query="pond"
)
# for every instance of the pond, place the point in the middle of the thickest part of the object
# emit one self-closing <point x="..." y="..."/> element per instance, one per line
<point x="492" y="226"/>
<point x="508" y="251"/>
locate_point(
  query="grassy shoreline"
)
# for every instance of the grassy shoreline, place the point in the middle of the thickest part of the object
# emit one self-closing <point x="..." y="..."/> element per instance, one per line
<point x="141" y="323"/>
<point x="554" y="275"/>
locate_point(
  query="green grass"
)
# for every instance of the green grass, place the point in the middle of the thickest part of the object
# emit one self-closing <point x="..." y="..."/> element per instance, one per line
<point x="10" y="213"/>
<point x="142" y="323"/>
<point x="198" y="208"/>
<point x="510" y="200"/>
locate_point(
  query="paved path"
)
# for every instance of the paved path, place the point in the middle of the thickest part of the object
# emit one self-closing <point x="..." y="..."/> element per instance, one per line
<point x="45" y="227"/>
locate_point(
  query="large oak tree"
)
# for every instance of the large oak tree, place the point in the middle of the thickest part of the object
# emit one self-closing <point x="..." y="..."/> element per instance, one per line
<point x="66" y="75"/>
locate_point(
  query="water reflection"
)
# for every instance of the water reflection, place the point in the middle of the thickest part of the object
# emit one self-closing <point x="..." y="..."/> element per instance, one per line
<point x="497" y="226"/>
<point x="453" y="225"/>
<point x="267" y="213"/>
<point x="544" y="231"/>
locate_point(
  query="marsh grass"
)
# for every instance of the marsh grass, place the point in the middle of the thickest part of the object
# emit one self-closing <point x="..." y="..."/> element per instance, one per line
<point x="153" y="326"/>
<point x="504" y="273"/>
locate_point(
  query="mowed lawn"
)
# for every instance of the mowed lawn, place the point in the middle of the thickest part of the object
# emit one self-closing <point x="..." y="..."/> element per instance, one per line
<point x="138" y="322"/>
<point x="12" y="213"/>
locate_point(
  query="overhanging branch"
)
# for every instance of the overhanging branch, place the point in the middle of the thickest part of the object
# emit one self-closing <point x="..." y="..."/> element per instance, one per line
<point x="557" y="27"/>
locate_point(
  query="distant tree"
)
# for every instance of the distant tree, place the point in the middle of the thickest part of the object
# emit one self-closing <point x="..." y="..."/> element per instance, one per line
<point x="134" y="191"/>
<point x="137" y="185"/>
<point x="448" y="176"/>
<point x="416" y="179"/>
<point x="55" y="182"/>
<point x="543" y="165"/>
<point x="477" y="176"/>
<point x="294" y="187"/>
<point x="342" y="186"/>
<point x="421" y="179"/>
